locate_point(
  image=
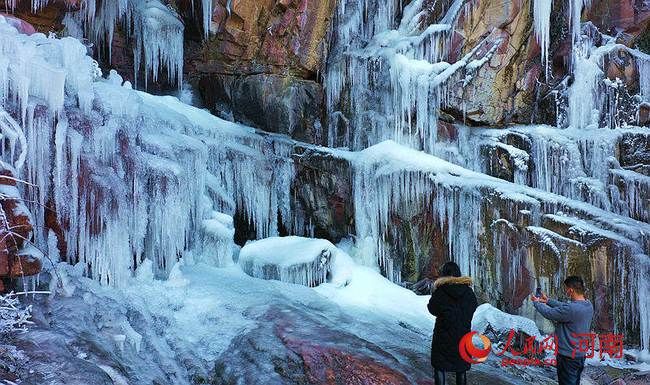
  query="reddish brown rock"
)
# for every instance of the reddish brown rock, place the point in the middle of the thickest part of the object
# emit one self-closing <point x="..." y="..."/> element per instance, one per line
<point x="15" y="231"/>
<point x="621" y="64"/>
<point x="611" y="17"/>
<point x="21" y="25"/>
<point x="47" y="19"/>
<point x="503" y="91"/>
<point x="260" y="64"/>
<point x="268" y="36"/>
<point x="329" y="366"/>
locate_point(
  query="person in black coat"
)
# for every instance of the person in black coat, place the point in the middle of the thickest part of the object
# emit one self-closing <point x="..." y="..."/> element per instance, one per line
<point x="453" y="304"/>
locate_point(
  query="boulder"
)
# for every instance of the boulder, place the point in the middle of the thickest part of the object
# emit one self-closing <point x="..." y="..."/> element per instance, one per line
<point x="504" y="90"/>
<point x="322" y="191"/>
<point x="283" y="104"/>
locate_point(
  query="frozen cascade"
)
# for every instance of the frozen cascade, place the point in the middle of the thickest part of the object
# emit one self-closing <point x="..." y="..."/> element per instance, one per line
<point x="180" y="175"/>
<point x="575" y="163"/>
<point x="392" y="81"/>
<point x="584" y="96"/>
<point x="146" y="201"/>
<point x="410" y="184"/>
<point x="156" y="29"/>
<point x="159" y="42"/>
<point x="542" y="18"/>
<point x="395" y="183"/>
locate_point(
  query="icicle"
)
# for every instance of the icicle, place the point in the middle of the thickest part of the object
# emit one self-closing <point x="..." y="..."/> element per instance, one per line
<point x="207" y="11"/>
<point x="542" y="17"/>
<point x="575" y="11"/>
<point x="159" y="42"/>
<point x="643" y="66"/>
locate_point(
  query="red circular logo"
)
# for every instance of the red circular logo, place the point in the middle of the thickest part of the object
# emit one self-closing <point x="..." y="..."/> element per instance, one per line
<point x="470" y="353"/>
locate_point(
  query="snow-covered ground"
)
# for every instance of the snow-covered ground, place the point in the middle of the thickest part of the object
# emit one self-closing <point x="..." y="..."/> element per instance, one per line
<point x="218" y="324"/>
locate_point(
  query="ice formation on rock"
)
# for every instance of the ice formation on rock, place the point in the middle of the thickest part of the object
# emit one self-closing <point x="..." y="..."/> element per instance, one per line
<point x="392" y="75"/>
<point x="396" y="182"/>
<point x="542" y="17"/>
<point x="206" y="9"/>
<point x="296" y="260"/>
<point x="138" y="182"/>
<point x="146" y="200"/>
<point x="155" y="28"/>
<point x="159" y="42"/>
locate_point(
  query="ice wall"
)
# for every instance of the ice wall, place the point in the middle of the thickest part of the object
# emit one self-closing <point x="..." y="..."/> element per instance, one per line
<point x="154" y="26"/>
<point x="129" y="176"/>
<point x="497" y="231"/>
<point x="386" y="76"/>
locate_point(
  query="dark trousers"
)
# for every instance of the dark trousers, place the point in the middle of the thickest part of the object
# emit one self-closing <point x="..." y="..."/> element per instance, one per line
<point x="439" y="377"/>
<point x="569" y="370"/>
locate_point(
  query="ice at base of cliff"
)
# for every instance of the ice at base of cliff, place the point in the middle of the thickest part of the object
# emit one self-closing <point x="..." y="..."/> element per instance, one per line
<point x="203" y="308"/>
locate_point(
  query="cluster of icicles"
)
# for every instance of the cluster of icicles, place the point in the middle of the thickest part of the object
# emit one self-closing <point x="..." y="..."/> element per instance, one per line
<point x="154" y="25"/>
<point x="140" y="178"/>
<point x="123" y="171"/>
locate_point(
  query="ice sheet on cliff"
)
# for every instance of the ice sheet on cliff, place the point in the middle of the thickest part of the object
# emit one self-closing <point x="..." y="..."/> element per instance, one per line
<point x="172" y="156"/>
<point x="156" y="29"/>
<point x="129" y="170"/>
<point x="388" y="72"/>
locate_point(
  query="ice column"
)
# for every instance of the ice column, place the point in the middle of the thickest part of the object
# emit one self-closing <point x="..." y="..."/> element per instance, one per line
<point x="542" y="17"/>
<point x="159" y="42"/>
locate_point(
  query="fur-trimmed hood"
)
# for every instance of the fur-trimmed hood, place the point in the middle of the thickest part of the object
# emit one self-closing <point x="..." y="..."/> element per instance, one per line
<point x="452" y="281"/>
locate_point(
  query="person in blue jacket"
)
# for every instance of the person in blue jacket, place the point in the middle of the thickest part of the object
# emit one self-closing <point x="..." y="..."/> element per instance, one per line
<point x="572" y="320"/>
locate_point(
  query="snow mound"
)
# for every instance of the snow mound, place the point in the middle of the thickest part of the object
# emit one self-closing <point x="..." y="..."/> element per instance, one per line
<point x="304" y="261"/>
<point x="487" y="317"/>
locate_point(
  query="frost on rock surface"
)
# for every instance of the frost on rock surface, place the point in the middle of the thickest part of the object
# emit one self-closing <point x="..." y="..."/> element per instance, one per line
<point x="296" y="260"/>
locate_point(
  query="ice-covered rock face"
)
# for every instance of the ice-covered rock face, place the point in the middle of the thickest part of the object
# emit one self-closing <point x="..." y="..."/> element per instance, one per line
<point x="152" y="30"/>
<point x="126" y="178"/>
<point x="124" y="174"/>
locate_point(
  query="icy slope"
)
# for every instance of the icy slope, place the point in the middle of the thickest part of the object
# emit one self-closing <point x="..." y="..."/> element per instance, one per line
<point x="223" y="326"/>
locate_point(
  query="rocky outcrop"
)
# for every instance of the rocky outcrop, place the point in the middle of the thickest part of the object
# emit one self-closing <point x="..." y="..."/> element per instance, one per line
<point x="260" y="64"/>
<point x="284" y="104"/>
<point x="624" y="16"/>
<point x="304" y="348"/>
<point x="322" y="191"/>
<point x="504" y="90"/>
